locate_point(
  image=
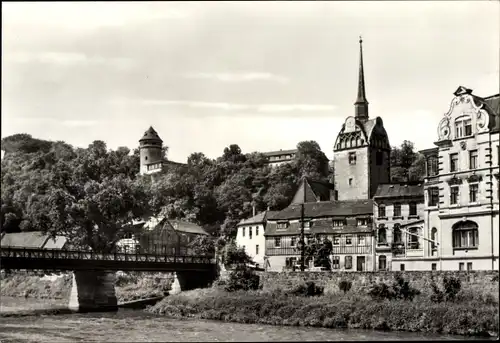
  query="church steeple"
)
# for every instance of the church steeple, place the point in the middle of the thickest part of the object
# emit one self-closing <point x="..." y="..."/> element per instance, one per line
<point x="361" y="104"/>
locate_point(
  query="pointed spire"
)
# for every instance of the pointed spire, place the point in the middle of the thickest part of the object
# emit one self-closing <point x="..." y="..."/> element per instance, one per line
<point x="361" y="104"/>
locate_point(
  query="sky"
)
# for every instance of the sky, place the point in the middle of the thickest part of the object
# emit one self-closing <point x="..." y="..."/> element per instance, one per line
<point x="263" y="75"/>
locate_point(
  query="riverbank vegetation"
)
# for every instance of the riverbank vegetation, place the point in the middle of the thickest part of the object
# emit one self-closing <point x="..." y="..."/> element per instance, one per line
<point x="396" y="307"/>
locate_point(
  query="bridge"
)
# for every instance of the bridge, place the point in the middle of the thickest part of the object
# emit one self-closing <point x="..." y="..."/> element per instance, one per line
<point x="93" y="273"/>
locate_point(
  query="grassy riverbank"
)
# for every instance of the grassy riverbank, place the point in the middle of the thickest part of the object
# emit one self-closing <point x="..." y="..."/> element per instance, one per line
<point x="350" y="310"/>
<point x="128" y="287"/>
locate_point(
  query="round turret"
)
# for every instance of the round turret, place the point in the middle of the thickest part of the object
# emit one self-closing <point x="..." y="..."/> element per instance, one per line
<point x="150" y="147"/>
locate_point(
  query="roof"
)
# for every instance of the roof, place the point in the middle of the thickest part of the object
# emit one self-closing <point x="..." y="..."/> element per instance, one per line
<point x="33" y="239"/>
<point x="312" y="191"/>
<point x="321" y="226"/>
<point x="326" y="209"/>
<point x="280" y="152"/>
<point x="396" y="190"/>
<point x="150" y="134"/>
<point x="430" y="151"/>
<point x="492" y="106"/>
<point x="187" y="227"/>
<point x="258" y="218"/>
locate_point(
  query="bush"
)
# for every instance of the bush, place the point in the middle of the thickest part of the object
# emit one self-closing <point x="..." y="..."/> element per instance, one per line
<point x="452" y="286"/>
<point x="242" y="278"/>
<point x="380" y="291"/>
<point x="345" y="285"/>
<point x="308" y="289"/>
<point x="400" y="289"/>
<point x="437" y="295"/>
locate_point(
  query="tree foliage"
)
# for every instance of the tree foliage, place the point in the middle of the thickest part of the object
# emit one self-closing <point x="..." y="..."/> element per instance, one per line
<point x="92" y="194"/>
<point x="407" y="165"/>
<point x="318" y="249"/>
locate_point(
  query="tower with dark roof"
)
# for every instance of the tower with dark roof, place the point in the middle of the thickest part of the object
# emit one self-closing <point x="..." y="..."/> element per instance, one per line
<point x="362" y="149"/>
<point x="150" y="147"/>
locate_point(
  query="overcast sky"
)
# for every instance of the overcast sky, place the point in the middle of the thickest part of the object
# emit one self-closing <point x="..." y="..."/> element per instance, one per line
<point x="264" y="75"/>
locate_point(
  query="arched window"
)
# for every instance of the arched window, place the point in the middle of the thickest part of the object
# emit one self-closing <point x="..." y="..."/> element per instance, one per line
<point x="398" y="238"/>
<point x="465" y="235"/>
<point x="382" y="234"/>
<point x="414" y="238"/>
<point x="463" y="126"/>
<point x="434" y="238"/>
<point x="382" y="262"/>
<point x="353" y="142"/>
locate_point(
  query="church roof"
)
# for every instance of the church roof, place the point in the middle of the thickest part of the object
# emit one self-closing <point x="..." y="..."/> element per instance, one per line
<point x="151" y="134"/>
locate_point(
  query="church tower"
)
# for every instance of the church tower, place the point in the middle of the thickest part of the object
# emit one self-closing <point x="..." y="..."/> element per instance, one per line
<point x="362" y="150"/>
<point x="150" y="147"/>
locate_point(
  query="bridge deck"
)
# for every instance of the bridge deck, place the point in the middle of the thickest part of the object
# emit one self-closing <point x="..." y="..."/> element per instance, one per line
<point x="55" y="259"/>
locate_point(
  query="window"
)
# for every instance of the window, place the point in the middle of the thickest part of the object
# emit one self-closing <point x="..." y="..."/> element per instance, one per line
<point x="433" y="196"/>
<point x="362" y="221"/>
<point x="432" y="166"/>
<point x="257" y="249"/>
<point x="336" y="240"/>
<point x="243" y="231"/>
<point x="348" y="240"/>
<point x="398" y="238"/>
<point x="352" y="158"/>
<point x="338" y="223"/>
<point x="397" y="210"/>
<point x="381" y="210"/>
<point x="461" y="266"/>
<point x="402" y="267"/>
<point x="361" y="240"/>
<point x="350" y="181"/>
<point x="307" y="224"/>
<point x="469" y="266"/>
<point x="433" y="238"/>
<point x="335" y="262"/>
<point x="453" y="162"/>
<point x="250" y="232"/>
<point x="454" y="195"/>
<point x="282" y="225"/>
<point x="465" y="235"/>
<point x="413" y="209"/>
<point x="473" y="190"/>
<point x="277" y="242"/>
<point x="379" y="158"/>
<point x="463" y="127"/>
<point x="382" y="262"/>
<point x="293" y="241"/>
<point x="434" y="266"/>
<point x="473" y="159"/>
<point x="382" y="235"/>
<point x="413" y="238"/>
<point x="256" y="231"/>
<point x="348" y="262"/>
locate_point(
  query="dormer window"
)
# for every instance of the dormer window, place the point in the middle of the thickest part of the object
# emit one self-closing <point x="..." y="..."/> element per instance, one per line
<point x="307" y="224"/>
<point x="282" y="225"/>
<point x="337" y="222"/>
<point x="463" y="127"/>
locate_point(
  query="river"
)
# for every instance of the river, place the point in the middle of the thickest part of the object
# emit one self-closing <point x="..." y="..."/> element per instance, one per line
<point x="137" y="326"/>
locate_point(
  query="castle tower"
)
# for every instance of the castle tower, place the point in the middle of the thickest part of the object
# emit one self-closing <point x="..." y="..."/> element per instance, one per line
<point x="362" y="150"/>
<point x="150" y="147"/>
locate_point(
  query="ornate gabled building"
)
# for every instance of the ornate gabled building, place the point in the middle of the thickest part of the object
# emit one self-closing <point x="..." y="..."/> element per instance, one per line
<point x="151" y="153"/>
<point x="462" y="187"/>
<point x="362" y="150"/>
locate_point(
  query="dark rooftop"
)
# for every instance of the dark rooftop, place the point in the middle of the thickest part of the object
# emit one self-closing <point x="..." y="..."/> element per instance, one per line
<point x="396" y="190"/>
<point x="280" y="152"/>
<point x="326" y="209"/>
<point x="150" y="134"/>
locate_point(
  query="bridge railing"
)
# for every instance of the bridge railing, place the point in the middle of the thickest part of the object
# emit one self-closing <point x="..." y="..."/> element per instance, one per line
<point x="23" y="252"/>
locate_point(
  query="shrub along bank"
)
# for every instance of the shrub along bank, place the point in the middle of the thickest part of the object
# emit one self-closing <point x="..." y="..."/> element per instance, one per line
<point x="128" y="286"/>
<point x="447" y="308"/>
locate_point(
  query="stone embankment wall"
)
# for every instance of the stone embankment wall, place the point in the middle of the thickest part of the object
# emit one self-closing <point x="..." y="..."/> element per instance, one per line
<point x="360" y="280"/>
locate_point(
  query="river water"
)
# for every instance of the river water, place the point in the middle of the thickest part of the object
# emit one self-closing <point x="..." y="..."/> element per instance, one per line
<point x="137" y="326"/>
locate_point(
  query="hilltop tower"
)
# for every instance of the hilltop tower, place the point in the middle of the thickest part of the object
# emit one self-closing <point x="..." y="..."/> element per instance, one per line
<point x="150" y="147"/>
<point x="362" y="150"/>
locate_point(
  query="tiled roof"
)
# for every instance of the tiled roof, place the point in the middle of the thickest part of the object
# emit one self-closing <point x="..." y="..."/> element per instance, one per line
<point x="151" y="134"/>
<point x="34" y="239"/>
<point x="258" y="218"/>
<point x="399" y="190"/>
<point x="280" y="152"/>
<point x="187" y="227"/>
<point x="324" y="226"/>
<point x="326" y="209"/>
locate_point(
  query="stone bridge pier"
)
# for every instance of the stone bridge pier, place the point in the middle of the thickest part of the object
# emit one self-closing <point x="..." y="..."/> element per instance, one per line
<point x="93" y="291"/>
<point x="185" y="281"/>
